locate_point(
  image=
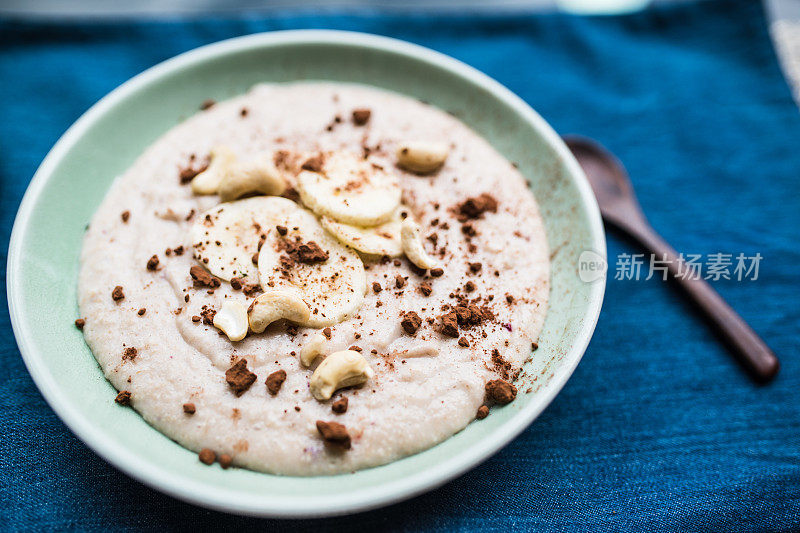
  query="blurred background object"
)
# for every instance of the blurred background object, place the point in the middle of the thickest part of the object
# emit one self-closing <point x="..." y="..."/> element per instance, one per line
<point x="601" y="7"/>
<point x="101" y="8"/>
<point x="784" y="14"/>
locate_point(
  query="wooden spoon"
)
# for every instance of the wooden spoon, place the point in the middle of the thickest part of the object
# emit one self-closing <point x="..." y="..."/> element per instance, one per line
<point x="620" y="208"/>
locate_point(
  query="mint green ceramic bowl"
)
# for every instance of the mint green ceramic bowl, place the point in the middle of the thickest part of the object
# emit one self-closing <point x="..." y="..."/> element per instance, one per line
<point x="74" y="177"/>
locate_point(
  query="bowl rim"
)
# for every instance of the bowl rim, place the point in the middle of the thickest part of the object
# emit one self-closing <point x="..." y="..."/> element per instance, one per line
<point x="354" y="501"/>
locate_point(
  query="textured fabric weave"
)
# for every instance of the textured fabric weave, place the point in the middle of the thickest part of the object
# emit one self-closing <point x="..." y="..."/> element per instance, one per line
<point x="658" y="428"/>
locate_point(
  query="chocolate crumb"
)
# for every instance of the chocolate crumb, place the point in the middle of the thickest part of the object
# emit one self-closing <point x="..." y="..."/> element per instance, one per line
<point x="449" y="324"/>
<point x="399" y="281"/>
<point x="123" y="398"/>
<point x="376" y="287"/>
<point x="125" y="216"/>
<point x="361" y="116"/>
<point x="411" y="322"/>
<point x="310" y="253"/>
<point x="275" y="380"/>
<point x="152" y="263"/>
<point x="314" y="164"/>
<point x="179" y="249"/>
<point x="501" y="391"/>
<point x="475" y="267"/>
<point x="236" y="283"/>
<point x="327" y="333"/>
<point x="355" y="348"/>
<point x="534" y="346"/>
<point x="239" y="378"/>
<point x="282" y="230"/>
<point x="141" y="311"/>
<point x="225" y="461"/>
<point x="196" y="319"/>
<point x="207" y="104"/>
<point x="130" y="353"/>
<point x="340" y="406"/>
<point x="189" y="408"/>
<point x="251" y="289"/>
<point x="117" y="294"/>
<point x="334" y="434"/>
<point x="254" y="259"/>
<point x="472" y="208"/>
<point x="243" y="112"/>
<point x="463" y="342"/>
<point x="437" y="272"/>
<point x="203" y="278"/>
<point x="208" y="315"/>
<point x="207" y="457"/>
<point x="509" y="298"/>
<point x="189" y="172"/>
<point x="469" y="287"/>
<point x="416" y="270"/>
<point x="425" y="288"/>
<point x="80" y="322"/>
<point x="483" y="412"/>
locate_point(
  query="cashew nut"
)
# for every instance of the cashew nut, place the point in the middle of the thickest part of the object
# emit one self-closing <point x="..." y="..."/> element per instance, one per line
<point x="232" y="320"/>
<point x="275" y="305"/>
<point x="339" y="370"/>
<point x="207" y="182"/>
<point x="258" y="175"/>
<point x="411" y="240"/>
<point x="312" y="349"/>
<point x="421" y="157"/>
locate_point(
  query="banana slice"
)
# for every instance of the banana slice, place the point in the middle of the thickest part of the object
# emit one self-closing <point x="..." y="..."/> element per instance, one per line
<point x="349" y="189"/>
<point x="310" y="262"/>
<point x="226" y="237"/>
<point x="377" y="240"/>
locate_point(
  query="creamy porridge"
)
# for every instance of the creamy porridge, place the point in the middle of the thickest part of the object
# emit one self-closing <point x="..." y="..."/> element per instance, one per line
<point x="314" y="278"/>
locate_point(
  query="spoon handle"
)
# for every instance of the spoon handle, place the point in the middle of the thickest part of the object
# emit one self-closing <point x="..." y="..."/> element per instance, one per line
<point x="749" y="348"/>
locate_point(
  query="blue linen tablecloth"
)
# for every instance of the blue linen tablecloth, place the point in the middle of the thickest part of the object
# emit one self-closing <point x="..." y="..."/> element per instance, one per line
<point x="658" y="428"/>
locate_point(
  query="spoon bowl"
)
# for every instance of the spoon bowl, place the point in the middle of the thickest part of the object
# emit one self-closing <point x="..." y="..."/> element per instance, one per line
<point x="620" y="208"/>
